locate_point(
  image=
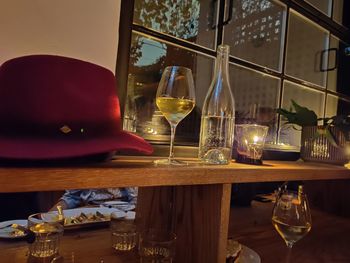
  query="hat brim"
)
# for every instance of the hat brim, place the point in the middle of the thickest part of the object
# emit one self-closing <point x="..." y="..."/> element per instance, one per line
<point x="51" y="149"/>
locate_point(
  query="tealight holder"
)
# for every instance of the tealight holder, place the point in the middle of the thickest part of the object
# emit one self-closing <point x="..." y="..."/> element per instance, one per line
<point x="250" y="139"/>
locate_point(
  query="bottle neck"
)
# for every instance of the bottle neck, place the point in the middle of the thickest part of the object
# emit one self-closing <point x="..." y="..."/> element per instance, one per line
<point x="221" y="63"/>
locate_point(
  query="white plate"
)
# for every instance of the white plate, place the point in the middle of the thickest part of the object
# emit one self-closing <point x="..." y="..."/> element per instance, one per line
<point x="72" y="213"/>
<point x="8" y="231"/>
<point x="121" y="205"/>
<point x="248" y="256"/>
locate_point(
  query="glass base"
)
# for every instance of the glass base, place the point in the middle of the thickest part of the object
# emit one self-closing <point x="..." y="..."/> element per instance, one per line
<point x="169" y="161"/>
<point x="245" y="159"/>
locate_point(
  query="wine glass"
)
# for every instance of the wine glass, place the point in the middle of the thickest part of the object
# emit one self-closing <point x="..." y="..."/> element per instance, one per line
<point x="291" y="216"/>
<point x="175" y="99"/>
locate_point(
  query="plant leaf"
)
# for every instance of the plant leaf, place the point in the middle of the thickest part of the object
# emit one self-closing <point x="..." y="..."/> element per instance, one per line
<point x="302" y="115"/>
<point x="305" y="117"/>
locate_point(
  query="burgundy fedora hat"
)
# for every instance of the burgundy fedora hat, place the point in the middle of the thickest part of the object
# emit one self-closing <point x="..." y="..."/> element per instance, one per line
<point x="58" y="107"/>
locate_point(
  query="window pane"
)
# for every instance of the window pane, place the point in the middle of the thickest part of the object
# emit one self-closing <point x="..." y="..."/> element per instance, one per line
<point x="337" y="106"/>
<point x="339" y="78"/>
<point x="256" y="32"/>
<point x="147" y="60"/>
<point x="341" y="12"/>
<point x="256" y="97"/>
<point x="312" y="99"/>
<point x="306" y="41"/>
<point x="338" y="7"/>
<point x="189" y="20"/>
<point x="324" y="6"/>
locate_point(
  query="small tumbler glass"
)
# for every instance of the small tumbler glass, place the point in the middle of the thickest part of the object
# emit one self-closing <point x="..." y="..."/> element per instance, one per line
<point x="48" y="229"/>
<point x="157" y="246"/>
<point x="250" y="140"/>
<point x="124" y="234"/>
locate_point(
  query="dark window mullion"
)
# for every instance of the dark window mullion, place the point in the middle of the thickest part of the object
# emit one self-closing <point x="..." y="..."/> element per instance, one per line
<point x="122" y="67"/>
<point x="285" y="42"/>
<point x="329" y="46"/>
<point x="342" y="96"/>
<point x="220" y="21"/>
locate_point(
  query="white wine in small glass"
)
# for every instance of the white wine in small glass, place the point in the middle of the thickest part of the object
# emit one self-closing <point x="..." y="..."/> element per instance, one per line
<point x="175" y="99"/>
<point x="291" y="217"/>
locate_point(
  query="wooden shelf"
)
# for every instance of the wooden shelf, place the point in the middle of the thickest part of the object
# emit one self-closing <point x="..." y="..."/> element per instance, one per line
<point x="199" y="194"/>
<point x="140" y="171"/>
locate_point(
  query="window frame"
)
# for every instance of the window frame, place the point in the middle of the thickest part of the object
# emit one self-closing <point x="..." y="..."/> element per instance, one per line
<point x="300" y="6"/>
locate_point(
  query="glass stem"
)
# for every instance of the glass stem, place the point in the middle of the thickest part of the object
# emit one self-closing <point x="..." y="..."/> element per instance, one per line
<point x="289" y="252"/>
<point x="172" y="137"/>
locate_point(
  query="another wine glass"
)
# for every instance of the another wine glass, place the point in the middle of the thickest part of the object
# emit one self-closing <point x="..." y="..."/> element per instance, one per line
<point x="291" y="216"/>
<point x="175" y="99"/>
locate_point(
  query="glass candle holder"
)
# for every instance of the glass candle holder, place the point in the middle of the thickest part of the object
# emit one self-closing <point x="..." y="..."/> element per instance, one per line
<point x="250" y="140"/>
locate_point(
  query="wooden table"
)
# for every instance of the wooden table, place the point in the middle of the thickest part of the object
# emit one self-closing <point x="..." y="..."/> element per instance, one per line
<point x="193" y="200"/>
<point x="80" y="245"/>
<point x="328" y="240"/>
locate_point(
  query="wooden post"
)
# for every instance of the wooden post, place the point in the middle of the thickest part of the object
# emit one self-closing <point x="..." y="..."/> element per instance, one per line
<point x="199" y="215"/>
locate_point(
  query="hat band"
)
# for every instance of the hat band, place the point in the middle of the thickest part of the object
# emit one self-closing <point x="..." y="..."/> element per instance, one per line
<point x="59" y="131"/>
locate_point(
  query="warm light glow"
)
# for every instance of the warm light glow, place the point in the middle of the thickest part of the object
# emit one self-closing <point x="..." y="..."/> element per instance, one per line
<point x="255" y="139"/>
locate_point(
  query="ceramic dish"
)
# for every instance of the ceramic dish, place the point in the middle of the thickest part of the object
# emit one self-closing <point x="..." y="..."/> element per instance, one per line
<point x="248" y="255"/>
<point x="88" y="216"/>
<point x="6" y="231"/>
<point x="121" y="205"/>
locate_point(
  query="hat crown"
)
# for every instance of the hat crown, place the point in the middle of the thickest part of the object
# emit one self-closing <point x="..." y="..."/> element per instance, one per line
<point x="53" y="91"/>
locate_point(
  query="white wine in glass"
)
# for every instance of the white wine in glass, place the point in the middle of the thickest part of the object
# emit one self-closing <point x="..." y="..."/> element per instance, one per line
<point x="291" y="217"/>
<point x="174" y="109"/>
<point x="175" y="99"/>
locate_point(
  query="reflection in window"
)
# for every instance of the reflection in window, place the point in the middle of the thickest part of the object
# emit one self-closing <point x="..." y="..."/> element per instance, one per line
<point x="306" y="43"/>
<point x="304" y="96"/>
<point x="324" y="6"/>
<point x="338" y="11"/>
<point x="178" y="18"/>
<point x="188" y="20"/>
<point x="256" y="32"/>
<point x="337" y="106"/>
<point x="339" y="61"/>
<point x="256" y="98"/>
<point x="147" y="60"/>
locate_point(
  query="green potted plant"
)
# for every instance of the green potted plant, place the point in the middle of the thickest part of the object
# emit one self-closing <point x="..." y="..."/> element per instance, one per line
<point x="322" y="143"/>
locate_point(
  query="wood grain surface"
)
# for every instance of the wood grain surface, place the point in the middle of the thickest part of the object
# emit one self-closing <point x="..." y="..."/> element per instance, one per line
<point x="140" y="171"/>
<point x="197" y="214"/>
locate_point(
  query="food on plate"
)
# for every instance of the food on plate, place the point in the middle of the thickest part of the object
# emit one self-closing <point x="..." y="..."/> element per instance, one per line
<point x="234" y="249"/>
<point x="12" y="232"/>
<point x="83" y="218"/>
<point x="16" y="233"/>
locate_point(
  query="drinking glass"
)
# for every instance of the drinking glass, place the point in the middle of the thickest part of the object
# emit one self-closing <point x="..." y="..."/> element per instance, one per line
<point x="175" y="99"/>
<point x="123" y="231"/>
<point x="291" y="217"/>
<point x="157" y="246"/>
<point x="48" y="229"/>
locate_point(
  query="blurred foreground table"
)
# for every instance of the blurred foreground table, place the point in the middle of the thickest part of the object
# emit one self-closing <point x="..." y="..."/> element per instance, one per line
<point x="194" y="200"/>
<point x="77" y="246"/>
<point x="328" y="240"/>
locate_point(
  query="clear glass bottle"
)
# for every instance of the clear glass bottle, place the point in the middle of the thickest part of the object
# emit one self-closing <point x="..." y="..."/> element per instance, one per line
<point x="218" y="114"/>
